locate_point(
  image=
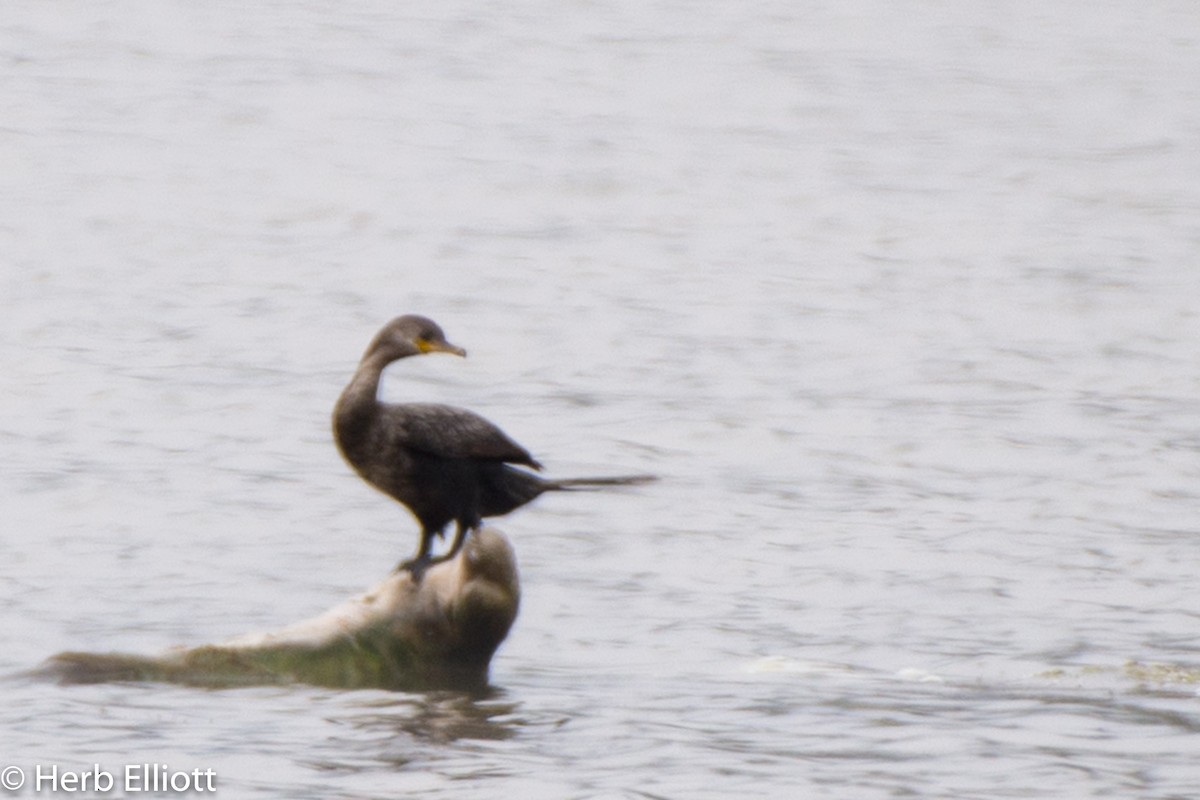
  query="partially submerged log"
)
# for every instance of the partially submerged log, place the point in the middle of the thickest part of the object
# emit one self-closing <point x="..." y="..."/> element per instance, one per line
<point x="438" y="633"/>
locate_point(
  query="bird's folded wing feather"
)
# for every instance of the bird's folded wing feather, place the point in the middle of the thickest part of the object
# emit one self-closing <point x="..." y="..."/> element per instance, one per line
<point x="457" y="433"/>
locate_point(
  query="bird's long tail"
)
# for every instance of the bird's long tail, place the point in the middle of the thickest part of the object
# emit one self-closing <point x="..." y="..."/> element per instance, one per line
<point x="574" y="484"/>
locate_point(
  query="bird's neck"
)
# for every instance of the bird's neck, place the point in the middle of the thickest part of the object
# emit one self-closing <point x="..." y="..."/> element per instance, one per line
<point x="359" y="402"/>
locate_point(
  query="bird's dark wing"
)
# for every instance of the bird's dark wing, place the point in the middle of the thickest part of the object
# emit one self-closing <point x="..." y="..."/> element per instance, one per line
<point x="454" y="433"/>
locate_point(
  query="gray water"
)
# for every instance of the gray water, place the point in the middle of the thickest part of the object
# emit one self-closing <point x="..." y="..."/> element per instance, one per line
<point x="899" y="299"/>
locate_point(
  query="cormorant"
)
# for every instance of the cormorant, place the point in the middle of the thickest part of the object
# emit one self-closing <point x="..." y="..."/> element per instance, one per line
<point x="444" y="463"/>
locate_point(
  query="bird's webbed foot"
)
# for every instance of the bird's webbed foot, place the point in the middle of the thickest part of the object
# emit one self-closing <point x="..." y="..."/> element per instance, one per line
<point x="416" y="566"/>
<point x="424" y="559"/>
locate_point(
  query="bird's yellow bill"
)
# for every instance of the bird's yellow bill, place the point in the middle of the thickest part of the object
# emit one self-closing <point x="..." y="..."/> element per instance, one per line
<point x="430" y="346"/>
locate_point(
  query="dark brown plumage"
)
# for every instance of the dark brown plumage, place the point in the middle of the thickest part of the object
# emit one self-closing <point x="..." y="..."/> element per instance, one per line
<point x="445" y="464"/>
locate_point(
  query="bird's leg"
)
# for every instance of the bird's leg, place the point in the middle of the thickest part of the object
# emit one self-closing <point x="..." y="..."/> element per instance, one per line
<point x="460" y="535"/>
<point x="417" y="565"/>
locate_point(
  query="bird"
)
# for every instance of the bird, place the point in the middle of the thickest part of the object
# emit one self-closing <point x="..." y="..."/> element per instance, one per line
<point x="445" y="464"/>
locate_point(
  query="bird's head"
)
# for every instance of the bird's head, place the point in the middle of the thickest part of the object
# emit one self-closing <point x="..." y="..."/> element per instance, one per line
<point x="412" y="335"/>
